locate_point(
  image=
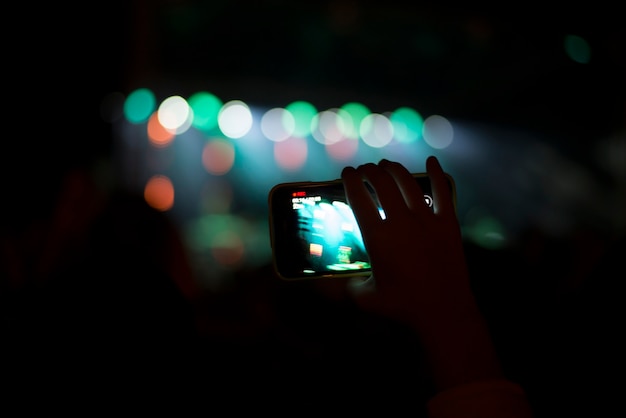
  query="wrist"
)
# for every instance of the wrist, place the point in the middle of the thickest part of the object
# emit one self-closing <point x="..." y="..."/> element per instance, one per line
<point x="460" y="351"/>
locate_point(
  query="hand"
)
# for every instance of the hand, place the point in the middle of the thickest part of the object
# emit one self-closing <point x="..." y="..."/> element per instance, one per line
<point x="419" y="270"/>
<point x="417" y="257"/>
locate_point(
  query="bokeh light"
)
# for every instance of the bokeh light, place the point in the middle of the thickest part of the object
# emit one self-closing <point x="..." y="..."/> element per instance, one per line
<point x="227" y="248"/>
<point x="577" y="48"/>
<point x="343" y="150"/>
<point x="277" y="124"/>
<point x="291" y="154"/>
<point x="235" y="119"/>
<point x="157" y="134"/>
<point x="438" y="132"/>
<point x="159" y="192"/>
<point x="303" y="114"/>
<point x="218" y="156"/>
<point x="329" y="126"/>
<point x="407" y="124"/>
<point x="222" y="236"/>
<point x="216" y="195"/>
<point x="206" y="107"/>
<point x="485" y="230"/>
<point x="139" y="105"/>
<point x="376" y="130"/>
<point x="175" y="115"/>
<point x="356" y="111"/>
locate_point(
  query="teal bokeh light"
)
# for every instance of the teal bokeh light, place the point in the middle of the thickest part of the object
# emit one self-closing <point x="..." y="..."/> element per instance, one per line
<point x="407" y="124"/>
<point x="357" y="113"/>
<point x="206" y="108"/>
<point x="139" y="105"/>
<point x="303" y="113"/>
<point x="577" y="49"/>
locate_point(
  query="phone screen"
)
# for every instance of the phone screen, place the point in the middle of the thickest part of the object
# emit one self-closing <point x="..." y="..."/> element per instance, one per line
<point x="314" y="232"/>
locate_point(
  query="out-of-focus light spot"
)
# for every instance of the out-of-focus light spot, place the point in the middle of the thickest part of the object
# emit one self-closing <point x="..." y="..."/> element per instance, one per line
<point x="221" y="235"/>
<point x="376" y="130"/>
<point x="277" y="124"/>
<point x="157" y="134"/>
<point x="330" y="126"/>
<point x="577" y="49"/>
<point x="345" y="124"/>
<point x="139" y="105"/>
<point x="159" y="192"/>
<point x="407" y="124"/>
<point x="218" y="156"/>
<point x="216" y="195"/>
<point x="343" y="150"/>
<point x="438" y="132"/>
<point x="205" y="106"/>
<point x="175" y="114"/>
<point x="487" y="232"/>
<point x="357" y="112"/>
<point x="227" y="248"/>
<point x="291" y="154"/>
<point x="303" y="113"/>
<point x="235" y="119"/>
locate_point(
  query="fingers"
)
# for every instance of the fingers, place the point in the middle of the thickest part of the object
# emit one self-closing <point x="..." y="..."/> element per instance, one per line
<point x="396" y="190"/>
<point x="359" y="198"/>
<point x="385" y="187"/>
<point x="410" y="189"/>
<point x="442" y="196"/>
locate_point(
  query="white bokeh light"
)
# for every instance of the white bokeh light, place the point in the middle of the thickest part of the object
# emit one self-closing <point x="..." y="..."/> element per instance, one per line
<point x="175" y="115"/>
<point x="235" y="119"/>
<point x="277" y="124"/>
<point x="438" y="132"/>
<point x="329" y="126"/>
<point x="376" y="130"/>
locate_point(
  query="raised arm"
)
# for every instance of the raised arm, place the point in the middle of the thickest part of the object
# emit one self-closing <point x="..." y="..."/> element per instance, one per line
<point x="420" y="276"/>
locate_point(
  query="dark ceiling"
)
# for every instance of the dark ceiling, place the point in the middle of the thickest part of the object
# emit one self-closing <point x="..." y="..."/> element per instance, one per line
<point x="497" y="64"/>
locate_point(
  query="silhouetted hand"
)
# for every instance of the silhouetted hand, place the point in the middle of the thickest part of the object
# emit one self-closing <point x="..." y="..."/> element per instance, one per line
<point x="419" y="272"/>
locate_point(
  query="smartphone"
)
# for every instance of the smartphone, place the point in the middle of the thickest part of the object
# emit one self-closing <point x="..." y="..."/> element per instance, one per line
<point x="314" y="233"/>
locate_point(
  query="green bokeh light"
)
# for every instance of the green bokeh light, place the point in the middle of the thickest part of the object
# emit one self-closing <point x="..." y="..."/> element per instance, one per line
<point x="357" y="112"/>
<point x="488" y="232"/>
<point x="407" y="124"/>
<point x="206" y="107"/>
<point x="303" y="113"/>
<point x="577" y="49"/>
<point x="139" y="105"/>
